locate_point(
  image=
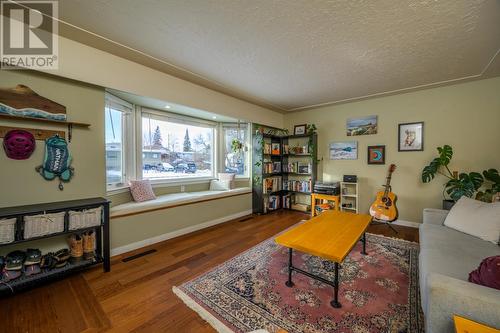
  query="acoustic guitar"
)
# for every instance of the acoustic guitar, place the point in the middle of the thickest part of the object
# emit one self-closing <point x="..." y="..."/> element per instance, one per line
<point x="384" y="207"/>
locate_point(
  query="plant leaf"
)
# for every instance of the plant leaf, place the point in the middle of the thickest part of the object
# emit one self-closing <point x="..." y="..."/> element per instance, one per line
<point x="492" y="175"/>
<point x="476" y="179"/>
<point x="445" y="154"/>
<point x="429" y="172"/>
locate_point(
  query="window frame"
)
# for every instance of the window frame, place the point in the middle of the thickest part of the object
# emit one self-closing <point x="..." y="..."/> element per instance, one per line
<point x="128" y="141"/>
<point x="222" y="147"/>
<point x="178" y="119"/>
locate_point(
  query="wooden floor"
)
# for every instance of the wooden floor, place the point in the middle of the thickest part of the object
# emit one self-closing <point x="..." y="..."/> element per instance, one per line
<point x="136" y="296"/>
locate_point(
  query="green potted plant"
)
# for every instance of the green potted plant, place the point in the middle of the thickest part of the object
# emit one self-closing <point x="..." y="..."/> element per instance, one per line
<point x="236" y="146"/>
<point x="491" y="176"/>
<point x="457" y="185"/>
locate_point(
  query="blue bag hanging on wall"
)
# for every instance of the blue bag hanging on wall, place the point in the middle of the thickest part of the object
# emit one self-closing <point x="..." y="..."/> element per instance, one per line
<point x="56" y="161"/>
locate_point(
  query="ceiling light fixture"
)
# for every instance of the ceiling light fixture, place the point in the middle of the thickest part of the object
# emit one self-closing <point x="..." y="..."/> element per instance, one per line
<point x="214" y="117"/>
<point x="167" y="106"/>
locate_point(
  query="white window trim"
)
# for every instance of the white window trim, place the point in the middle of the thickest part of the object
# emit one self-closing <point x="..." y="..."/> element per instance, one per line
<point x="128" y="139"/>
<point x="221" y="148"/>
<point x="132" y="146"/>
<point x="179" y="119"/>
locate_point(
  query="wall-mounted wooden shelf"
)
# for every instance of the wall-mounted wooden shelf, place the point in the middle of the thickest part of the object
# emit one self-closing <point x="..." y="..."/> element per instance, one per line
<point x="69" y="124"/>
<point x="41" y="120"/>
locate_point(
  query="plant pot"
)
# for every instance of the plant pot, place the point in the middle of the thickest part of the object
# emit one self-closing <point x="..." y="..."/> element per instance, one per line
<point x="447" y="204"/>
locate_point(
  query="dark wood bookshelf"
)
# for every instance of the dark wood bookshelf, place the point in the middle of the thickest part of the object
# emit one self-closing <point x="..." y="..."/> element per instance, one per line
<point x="259" y="198"/>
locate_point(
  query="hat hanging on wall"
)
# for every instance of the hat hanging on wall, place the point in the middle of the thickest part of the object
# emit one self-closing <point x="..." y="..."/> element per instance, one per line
<point x="19" y="144"/>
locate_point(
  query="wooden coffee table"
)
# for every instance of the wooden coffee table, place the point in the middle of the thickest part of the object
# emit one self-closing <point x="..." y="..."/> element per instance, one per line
<point x="331" y="236"/>
<point x="464" y="325"/>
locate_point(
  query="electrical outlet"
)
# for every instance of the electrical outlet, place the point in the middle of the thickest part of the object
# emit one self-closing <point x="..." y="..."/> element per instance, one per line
<point x="183" y="188"/>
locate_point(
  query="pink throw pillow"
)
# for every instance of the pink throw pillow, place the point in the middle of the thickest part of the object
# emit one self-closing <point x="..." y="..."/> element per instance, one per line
<point x="488" y="273"/>
<point x="141" y="190"/>
<point x="229" y="177"/>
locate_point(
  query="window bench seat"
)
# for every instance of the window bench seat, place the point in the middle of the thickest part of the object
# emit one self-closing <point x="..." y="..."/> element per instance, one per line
<point x="173" y="200"/>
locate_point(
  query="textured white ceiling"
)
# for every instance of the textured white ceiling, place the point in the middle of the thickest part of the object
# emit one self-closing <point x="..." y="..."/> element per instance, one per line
<point x="297" y="53"/>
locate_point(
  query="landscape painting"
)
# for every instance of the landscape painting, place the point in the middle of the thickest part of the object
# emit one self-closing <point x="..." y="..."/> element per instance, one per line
<point x="21" y="101"/>
<point x="362" y="126"/>
<point x="345" y="150"/>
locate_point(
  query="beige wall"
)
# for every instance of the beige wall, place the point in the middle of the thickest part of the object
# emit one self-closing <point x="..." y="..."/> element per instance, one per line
<point x="83" y="63"/>
<point x="465" y="116"/>
<point x="137" y="228"/>
<point x="19" y="183"/>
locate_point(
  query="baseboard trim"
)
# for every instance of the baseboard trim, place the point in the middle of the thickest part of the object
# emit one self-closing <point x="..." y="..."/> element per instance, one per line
<point x="407" y="223"/>
<point x="169" y="235"/>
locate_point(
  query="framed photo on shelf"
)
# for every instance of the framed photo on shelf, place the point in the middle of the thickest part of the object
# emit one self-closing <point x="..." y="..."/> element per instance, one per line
<point x="376" y="155"/>
<point x="299" y="129"/>
<point x="275" y="149"/>
<point x="411" y="136"/>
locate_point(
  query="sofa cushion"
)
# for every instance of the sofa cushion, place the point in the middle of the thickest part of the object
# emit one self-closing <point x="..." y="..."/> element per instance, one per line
<point x="450" y="253"/>
<point x="476" y="218"/>
<point x="141" y="190"/>
<point x="219" y="185"/>
<point x="230" y="177"/>
<point x="443" y="238"/>
<point x="488" y="273"/>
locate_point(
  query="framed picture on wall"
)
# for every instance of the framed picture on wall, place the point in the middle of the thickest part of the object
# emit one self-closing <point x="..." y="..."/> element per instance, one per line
<point x="362" y="126"/>
<point x="299" y="129"/>
<point x="376" y="155"/>
<point x="344" y="150"/>
<point x="411" y="137"/>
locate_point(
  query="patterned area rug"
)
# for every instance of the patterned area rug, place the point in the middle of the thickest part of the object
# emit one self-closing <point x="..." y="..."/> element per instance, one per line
<point x="378" y="292"/>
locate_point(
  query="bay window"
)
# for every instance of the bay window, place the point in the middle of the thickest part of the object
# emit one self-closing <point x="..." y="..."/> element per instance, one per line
<point x="235" y="149"/>
<point x="119" y="149"/>
<point x="176" y="147"/>
<point x="143" y="143"/>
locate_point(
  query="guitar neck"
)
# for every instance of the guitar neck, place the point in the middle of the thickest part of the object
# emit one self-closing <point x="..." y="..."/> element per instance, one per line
<point x="387" y="184"/>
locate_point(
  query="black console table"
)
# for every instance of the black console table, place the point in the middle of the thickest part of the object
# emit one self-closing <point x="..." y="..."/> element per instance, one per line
<point x="102" y="240"/>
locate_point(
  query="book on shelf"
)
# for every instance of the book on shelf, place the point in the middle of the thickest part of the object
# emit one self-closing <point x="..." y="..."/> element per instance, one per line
<point x="273" y="202"/>
<point x="275" y="148"/>
<point x="298" y="185"/>
<point x="297" y="167"/>
<point x="271" y="167"/>
<point x="287" y="201"/>
<point x="267" y="148"/>
<point x="272" y="184"/>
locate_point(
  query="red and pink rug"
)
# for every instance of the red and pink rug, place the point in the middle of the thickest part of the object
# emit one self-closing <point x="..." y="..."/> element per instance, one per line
<point x="378" y="292"/>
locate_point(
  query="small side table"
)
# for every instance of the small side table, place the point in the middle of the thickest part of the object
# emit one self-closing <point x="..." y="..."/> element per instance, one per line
<point x="463" y="325"/>
<point x="327" y="197"/>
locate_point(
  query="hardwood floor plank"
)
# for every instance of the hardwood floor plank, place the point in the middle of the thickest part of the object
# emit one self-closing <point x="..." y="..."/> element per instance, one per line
<point x="136" y="296"/>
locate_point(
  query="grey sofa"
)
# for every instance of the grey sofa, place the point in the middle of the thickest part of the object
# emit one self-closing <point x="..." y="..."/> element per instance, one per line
<point x="446" y="258"/>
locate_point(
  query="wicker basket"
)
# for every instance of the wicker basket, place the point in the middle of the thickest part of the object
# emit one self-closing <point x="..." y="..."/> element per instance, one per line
<point x="7" y="230"/>
<point x="45" y="224"/>
<point x="85" y="218"/>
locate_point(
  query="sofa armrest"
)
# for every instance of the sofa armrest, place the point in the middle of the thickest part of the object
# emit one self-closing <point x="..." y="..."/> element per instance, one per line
<point x="449" y="296"/>
<point x="435" y="216"/>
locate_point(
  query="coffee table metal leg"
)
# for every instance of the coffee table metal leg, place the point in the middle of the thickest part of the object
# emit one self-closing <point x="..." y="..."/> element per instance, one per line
<point x="289" y="283"/>
<point x="335" y="303"/>
<point x="364" y="243"/>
